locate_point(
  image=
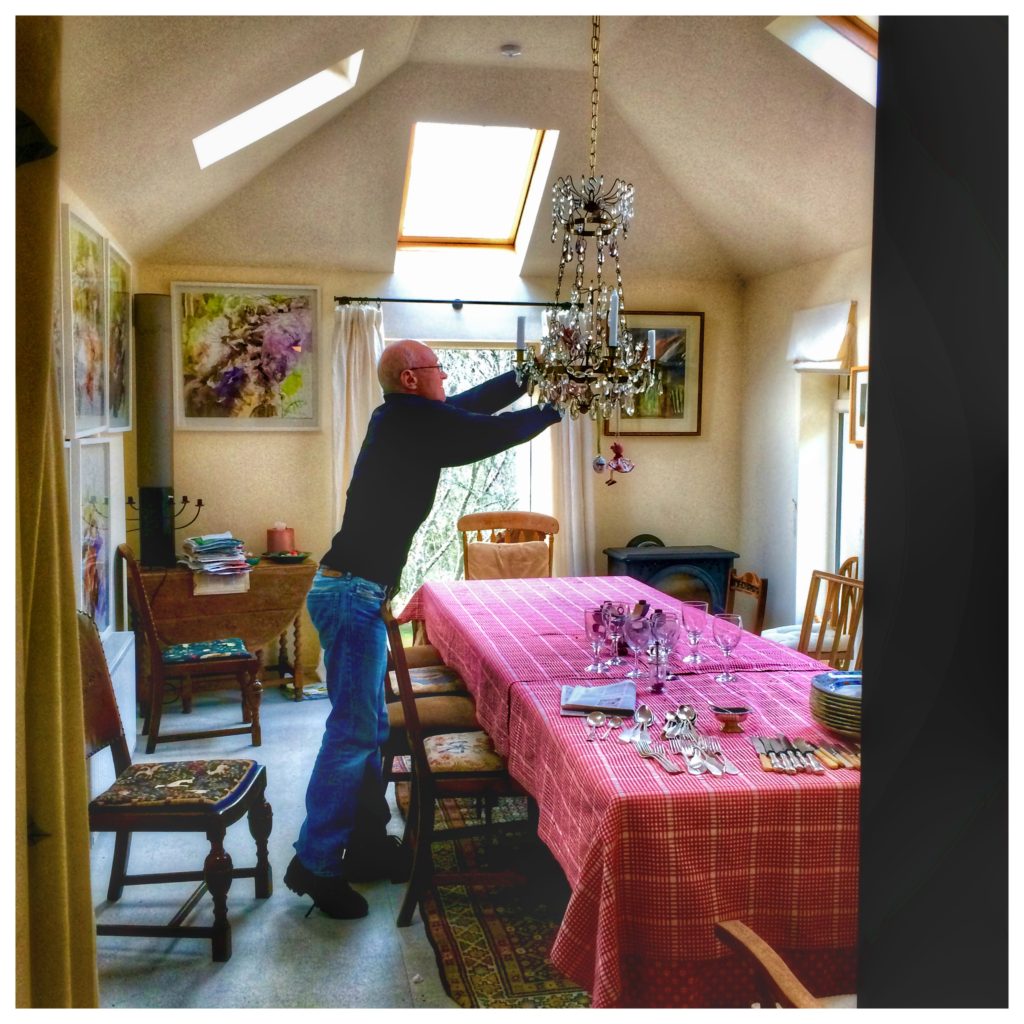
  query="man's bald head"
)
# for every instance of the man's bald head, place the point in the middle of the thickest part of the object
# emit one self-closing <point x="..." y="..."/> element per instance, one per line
<point x="424" y="376"/>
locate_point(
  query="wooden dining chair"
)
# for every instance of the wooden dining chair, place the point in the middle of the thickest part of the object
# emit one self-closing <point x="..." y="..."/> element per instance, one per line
<point x="776" y="983"/>
<point x="753" y="587"/>
<point x="462" y="764"/>
<point x="507" y="545"/>
<point x="173" y="796"/>
<point x="185" y="665"/>
<point x="835" y="637"/>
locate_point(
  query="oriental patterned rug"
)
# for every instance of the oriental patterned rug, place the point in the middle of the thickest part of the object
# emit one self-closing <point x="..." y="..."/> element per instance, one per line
<point x="492" y="943"/>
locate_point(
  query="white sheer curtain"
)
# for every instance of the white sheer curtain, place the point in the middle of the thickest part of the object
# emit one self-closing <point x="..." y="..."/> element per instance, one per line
<point x="356" y="346"/>
<point x="573" y="450"/>
<point x="358" y="343"/>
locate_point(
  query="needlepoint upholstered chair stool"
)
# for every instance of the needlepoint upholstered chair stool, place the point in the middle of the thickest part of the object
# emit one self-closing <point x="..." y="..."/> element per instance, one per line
<point x="173" y="796"/>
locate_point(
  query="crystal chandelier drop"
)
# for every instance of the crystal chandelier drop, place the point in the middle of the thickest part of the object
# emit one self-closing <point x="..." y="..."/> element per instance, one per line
<point x="588" y="362"/>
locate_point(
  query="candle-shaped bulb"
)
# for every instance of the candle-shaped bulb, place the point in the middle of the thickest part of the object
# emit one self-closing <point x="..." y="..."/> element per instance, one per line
<point x="652" y="350"/>
<point x="520" y="333"/>
<point x="613" y="319"/>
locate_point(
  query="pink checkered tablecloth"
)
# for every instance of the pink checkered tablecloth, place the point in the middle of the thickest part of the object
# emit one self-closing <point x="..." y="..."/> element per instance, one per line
<point x="498" y="633"/>
<point x="655" y="859"/>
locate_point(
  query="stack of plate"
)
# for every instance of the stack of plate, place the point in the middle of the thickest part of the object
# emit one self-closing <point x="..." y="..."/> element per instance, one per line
<point x="835" y="701"/>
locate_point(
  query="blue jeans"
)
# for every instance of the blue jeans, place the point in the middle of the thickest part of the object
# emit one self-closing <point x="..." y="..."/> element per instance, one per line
<point x="346" y="611"/>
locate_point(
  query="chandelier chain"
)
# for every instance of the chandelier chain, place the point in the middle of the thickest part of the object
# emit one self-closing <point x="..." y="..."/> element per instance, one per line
<point x="595" y="70"/>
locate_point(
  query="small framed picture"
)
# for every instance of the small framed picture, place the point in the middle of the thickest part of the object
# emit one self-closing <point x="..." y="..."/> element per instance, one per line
<point x="95" y="554"/>
<point x="119" y="340"/>
<point x="672" y="405"/>
<point x="246" y="357"/>
<point x="85" y="352"/>
<point x="858" y="405"/>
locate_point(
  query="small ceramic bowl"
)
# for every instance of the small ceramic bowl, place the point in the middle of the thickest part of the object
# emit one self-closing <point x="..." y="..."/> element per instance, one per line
<point x="730" y="717"/>
<point x="253" y="559"/>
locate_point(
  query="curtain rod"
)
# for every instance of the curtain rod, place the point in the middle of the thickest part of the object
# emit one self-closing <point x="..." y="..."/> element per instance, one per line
<point x="345" y="300"/>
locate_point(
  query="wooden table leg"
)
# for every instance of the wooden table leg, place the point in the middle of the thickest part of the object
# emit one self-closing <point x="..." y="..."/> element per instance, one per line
<point x="297" y="663"/>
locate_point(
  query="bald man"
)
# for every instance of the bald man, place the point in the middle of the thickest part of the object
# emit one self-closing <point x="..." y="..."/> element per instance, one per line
<point x="411" y="437"/>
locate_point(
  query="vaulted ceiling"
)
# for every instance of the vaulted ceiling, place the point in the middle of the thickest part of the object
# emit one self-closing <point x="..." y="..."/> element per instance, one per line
<point x="746" y="158"/>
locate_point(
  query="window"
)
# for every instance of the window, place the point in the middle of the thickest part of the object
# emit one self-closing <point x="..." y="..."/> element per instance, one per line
<point x="274" y="113"/>
<point x="844" y="46"/>
<point x="468" y="184"/>
<point x="519" y="478"/>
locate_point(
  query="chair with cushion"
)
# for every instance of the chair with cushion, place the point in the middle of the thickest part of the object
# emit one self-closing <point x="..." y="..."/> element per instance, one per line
<point x="453" y="764"/>
<point x="776" y="983"/>
<point x="507" y="545"/>
<point x="185" y="665"/>
<point x="174" y="796"/>
<point x="753" y="591"/>
<point x="789" y="636"/>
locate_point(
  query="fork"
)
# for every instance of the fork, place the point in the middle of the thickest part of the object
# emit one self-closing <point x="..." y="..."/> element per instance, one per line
<point x="712" y="746"/>
<point x="685" y="749"/>
<point x="644" y="749"/>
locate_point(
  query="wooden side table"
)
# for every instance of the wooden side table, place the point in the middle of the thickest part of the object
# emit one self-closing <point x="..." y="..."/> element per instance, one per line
<point x="267" y="611"/>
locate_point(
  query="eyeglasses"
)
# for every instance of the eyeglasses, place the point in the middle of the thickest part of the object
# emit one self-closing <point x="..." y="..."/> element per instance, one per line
<point x="429" y="366"/>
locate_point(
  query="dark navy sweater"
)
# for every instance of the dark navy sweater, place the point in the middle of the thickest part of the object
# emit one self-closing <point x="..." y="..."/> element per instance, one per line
<point x="408" y="441"/>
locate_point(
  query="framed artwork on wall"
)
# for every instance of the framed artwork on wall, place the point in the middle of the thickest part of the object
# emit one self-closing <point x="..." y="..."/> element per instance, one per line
<point x="94" y="532"/>
<point x="57" y="331"/>
<point x="246" y="357"/>
<point x="85" y="351"/>
<point x="679" y="361"/>
<point x="858" y="405"/>
<point x="119" y="340"/>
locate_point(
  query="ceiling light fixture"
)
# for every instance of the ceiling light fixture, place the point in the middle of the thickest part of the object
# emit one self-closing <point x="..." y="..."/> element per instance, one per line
<point x="511" y="50"/>
<point x="588" y="361"/>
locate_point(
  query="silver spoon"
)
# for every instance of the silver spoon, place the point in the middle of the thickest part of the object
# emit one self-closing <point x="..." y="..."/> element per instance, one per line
<point x="645" y="716"/>
<point x="631" y="732"/>
<point x="595" y="720"/>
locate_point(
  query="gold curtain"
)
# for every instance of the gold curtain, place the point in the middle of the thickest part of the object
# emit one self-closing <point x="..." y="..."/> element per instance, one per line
<point x="55" y="943"/>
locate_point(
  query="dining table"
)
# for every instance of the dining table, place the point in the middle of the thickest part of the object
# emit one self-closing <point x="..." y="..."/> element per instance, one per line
<point x="655" y="859"/>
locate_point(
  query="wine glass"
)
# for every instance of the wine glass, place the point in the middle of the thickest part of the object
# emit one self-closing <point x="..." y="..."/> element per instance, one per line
<point x="695" y="617"/>
<point x="614" y="616"/>
<point x="727" y="629"/>
<point x="593" y="628"/>
<point x="665" y="629"/>
<point x="637" y="633"/>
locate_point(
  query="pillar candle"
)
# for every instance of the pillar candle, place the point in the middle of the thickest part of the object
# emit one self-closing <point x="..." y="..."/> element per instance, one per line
<point x="520" y="333"/>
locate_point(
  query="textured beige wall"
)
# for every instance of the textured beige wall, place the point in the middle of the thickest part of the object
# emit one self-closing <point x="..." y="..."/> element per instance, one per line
<point x="684" y="490"/>
<point x="770" y="390"/>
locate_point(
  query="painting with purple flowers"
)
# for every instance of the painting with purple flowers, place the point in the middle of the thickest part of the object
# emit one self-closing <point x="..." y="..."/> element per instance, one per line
<point x="245" y="357"/>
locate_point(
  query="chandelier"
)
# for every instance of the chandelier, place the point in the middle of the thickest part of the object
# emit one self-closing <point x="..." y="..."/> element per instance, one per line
<point x="588" y="362"/>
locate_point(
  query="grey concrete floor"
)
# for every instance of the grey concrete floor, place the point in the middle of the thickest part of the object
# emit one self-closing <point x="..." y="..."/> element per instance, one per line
<point x="280" y="958"/>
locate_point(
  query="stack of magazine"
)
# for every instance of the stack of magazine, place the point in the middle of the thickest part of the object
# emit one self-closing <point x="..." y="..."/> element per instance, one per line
<point x="612" y="698"/>
<point x="216" y="553"/>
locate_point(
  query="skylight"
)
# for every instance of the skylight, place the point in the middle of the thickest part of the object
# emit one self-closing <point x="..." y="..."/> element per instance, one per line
<point x="840" y="46"/>
<point x="274" y="113"/>
<point x="467" y="184"/>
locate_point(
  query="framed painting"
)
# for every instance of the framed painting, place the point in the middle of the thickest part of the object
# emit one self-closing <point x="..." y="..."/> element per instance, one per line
<point x="95" y="554"/>
<point x="672" y="405"/>
<point x="57" y="331"/>
<point x="119" y="341"/>
<point x="85" y="353"/>
<point x="858" y="405"/>
<point x="246" y="357"/>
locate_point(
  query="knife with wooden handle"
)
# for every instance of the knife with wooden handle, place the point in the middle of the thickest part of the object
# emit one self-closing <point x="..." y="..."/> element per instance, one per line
<point x="758" y="745"/>
<point x="808" y="752"/>
<point x="844" y="761"/>
<point x="825" y="757"/>
<point x="850" y="754"/>
<point x="842" y="755"/>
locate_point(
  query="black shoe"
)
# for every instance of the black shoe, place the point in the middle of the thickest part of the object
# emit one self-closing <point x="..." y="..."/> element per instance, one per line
<point x="385" y="858"/>
<point x="333" y="895"/>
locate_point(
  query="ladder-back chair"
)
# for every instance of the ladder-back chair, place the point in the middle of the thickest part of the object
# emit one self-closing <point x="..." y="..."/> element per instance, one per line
<point x="507" y="545"/>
